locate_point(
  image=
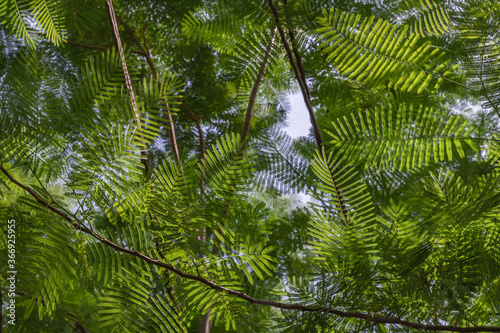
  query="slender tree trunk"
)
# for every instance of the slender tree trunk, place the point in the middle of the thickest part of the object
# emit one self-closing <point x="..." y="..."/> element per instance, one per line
<point x="78" y="325"/>
<point x="206" y="324"/>
<point x="168" y="115"/>
<point x="298" y="69"/>
<point x="301" y="80"/>
<point x="171" y="132"/>
<point x="128" y="81"/>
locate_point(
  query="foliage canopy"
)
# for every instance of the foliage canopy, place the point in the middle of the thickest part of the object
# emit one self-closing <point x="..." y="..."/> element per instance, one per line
<point x="154" y="186"/>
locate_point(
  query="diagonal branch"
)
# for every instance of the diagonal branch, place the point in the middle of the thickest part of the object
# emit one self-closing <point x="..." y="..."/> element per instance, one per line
<point x="255" y="88"/>
<point x="239" y="294"/>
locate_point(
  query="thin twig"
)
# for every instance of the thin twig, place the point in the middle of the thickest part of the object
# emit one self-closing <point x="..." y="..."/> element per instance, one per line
<point x="98" y="47"/>
<point x="197" y="121"/>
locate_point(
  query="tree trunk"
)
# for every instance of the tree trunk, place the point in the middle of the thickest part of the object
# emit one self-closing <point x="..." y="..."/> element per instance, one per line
<point x="128" y="81"/>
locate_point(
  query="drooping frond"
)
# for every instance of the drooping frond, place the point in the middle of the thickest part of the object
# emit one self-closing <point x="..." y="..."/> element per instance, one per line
<point x="397" y="230"/>
<point x="374" y="52"/>
<point x="14" y="12"/>
<point x="31" y="123"/>
<point x="106" y="263"/>
<point x="123" y="304"/>
<point x="110" y="162"/>
<point x="285" y="168"/>
<point x="453" y="202"/>
<point x="250" y="53"/>
<point x="227" y="167"/>
<point x="100" y="80"/>
<point x="478" y="25"/>
<point x="171" y="183"/>
<point x="225" y="310"/>
<point x="248" y="256"/>
<point x="345" y="226"/>
<point x="493" y="149"/>
<point x="178" y="216"/>
<point x="458" y="226"/>
<point x="48" y="278"/>
<point x="406" y="246"/>
<point x="153" y="93"/>
<point x="117" y="165"/>
<point x="401" y="138"/>
<point x="429" y="17"/>
<point x="221" y="24"/>
<point x="48" y="16"/>
<point x="239" y="31"/>
<point x="26" y="17"/>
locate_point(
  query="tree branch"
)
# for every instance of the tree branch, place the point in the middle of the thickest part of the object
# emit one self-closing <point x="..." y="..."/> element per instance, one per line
<point x="176" y="307"/>
<point x="228" y="291"/>
<point x="144" y="49"/>
<point x="206" y="324"/>
<point x="171" y="131"/>
<point x="255" y="88"/>
<point x="78" y="325"/>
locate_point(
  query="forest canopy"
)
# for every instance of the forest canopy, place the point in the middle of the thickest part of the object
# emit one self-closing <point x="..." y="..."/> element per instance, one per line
<point x="148" y="182"/>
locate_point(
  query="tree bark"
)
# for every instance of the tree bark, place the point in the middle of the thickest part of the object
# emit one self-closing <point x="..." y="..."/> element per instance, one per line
<point x="206" y="324"/>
